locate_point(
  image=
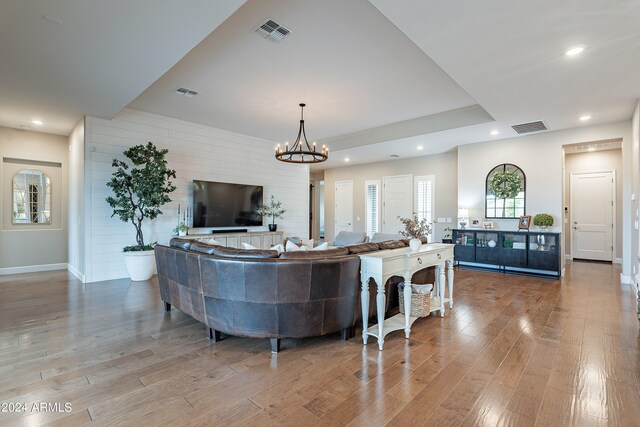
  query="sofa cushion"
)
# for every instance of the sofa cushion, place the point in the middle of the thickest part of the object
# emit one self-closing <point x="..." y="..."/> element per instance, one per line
<point x="345" y="238"/>
<point x="362" y="248"/>
<point x="203" y="248"/>
<point x="177" y="242"/>
<point x="385" y="237"/>
<point x="314" y="254"/>
<point x="244" y="253"/>
<point x="392" y="244"/>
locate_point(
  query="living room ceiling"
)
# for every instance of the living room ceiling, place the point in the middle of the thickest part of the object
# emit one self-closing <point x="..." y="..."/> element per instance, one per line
<point x="380" y="77"/>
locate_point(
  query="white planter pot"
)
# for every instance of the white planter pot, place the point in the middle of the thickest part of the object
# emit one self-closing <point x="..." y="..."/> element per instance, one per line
<point x="182" y="233"/>
<point x="140" y="265"/>
<point x="415" y="244"/>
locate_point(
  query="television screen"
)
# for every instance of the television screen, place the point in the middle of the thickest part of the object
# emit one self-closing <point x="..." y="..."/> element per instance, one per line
<point x="221" y="204"/>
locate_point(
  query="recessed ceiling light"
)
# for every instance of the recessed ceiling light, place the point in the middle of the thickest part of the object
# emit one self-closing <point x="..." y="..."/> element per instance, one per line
<point x="419" y="147"/>
<point x="346" y="159"/>
<point x="37" y="122"/>
<point x="577" y="50"/>
<point x="394" y="155"/>
<point x="585" y="118"/>
<point x="494" y="132"/>
<point x="591" y="149"/>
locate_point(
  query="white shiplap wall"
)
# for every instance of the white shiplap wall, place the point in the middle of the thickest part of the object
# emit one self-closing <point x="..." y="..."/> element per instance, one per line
<point x="195" y="152"/>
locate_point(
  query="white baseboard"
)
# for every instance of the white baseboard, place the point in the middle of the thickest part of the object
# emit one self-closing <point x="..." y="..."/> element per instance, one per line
<point x="76" y="273"/>
<point x="32" y="268"/>
<point x="617" y="261"/>
<point x="627" y="280"/>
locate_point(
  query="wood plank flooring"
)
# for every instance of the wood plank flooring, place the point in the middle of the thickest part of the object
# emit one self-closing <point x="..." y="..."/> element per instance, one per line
<point x="514" y="350"/>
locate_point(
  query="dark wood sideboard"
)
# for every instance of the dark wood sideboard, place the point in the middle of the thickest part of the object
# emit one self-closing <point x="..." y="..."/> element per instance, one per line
<point x="526" y="252"/>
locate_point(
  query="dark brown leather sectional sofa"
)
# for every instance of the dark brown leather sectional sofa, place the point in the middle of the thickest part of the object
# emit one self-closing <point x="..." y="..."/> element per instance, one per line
<point x="258" y="293"/>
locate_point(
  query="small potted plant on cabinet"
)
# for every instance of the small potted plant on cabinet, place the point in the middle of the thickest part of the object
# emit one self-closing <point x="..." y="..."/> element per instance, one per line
<point x="140" y="186"/>
<point x="274" y="209"/>
<point x="543" y="220"/>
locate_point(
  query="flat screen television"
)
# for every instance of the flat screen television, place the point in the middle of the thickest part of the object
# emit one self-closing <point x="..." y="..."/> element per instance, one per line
<point x="222" y="204"/>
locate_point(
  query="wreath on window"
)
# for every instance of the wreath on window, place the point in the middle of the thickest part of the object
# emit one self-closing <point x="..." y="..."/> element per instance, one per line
<point x="505" y="185"/>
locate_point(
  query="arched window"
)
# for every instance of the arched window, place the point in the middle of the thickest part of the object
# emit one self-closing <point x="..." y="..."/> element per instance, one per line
<point x="503" y="178"/>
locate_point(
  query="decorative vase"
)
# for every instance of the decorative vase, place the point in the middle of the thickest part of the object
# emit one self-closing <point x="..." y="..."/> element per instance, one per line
<point x="273" y="227"/>
<point x="491" y="243"/>
<point x="543" y="227"/>
<point x="141" y="265"/>
<point x="415" y="244"/>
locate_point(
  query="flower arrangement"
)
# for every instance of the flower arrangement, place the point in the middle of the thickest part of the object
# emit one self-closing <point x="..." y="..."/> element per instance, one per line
<point x="414" y="227"/>
<point x="543" y="220"/>
<point x="274" y="209"/>
<point x="505" y="185"/>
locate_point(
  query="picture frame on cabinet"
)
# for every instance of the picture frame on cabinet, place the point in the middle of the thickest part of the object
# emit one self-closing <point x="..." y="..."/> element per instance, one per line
<point x="487" y="225"/>
<point x="525" y="222"/>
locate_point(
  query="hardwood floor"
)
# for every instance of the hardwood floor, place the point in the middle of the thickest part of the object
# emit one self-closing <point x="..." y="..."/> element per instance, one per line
<point x="514" y="350"/>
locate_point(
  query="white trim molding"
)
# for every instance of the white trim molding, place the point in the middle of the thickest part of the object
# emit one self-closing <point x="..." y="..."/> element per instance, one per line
<point x="76" y="273"/>
<point x="32" y="268"/>
<point x="617" y="260"/>
<point x="626" y="280"/>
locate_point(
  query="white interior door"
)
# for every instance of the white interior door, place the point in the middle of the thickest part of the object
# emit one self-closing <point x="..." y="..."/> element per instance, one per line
<point x="344" y="206"/>
<point x="592" y="196"/>
<point x="397" y="196"/>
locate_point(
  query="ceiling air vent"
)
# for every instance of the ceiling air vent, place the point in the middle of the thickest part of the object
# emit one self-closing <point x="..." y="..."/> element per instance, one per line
<point x="185" y="92"/>
<point x="273" y="31"/>
<point x="529" y="127"/>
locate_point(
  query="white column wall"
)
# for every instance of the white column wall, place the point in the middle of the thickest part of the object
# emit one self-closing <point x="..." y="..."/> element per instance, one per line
<point x="195" y="152"/>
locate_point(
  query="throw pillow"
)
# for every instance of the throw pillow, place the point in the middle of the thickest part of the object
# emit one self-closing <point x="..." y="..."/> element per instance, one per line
<point x="212" y="242"/>
<point x="248" y="246"/>
<point x="321" y="247"/>
<point x="278" y="248"/>
<point x="292" y="247"/>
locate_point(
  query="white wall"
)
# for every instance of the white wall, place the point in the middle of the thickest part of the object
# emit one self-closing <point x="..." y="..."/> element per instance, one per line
<point x="33" y="247"/>
<point x="195" y="152"/>
<point x="443" y="166"/>
<point x="592" y="162"/>
<point x="540" y="157"/>
<point x="76" y="201"/>
<point x="633" y="160"/>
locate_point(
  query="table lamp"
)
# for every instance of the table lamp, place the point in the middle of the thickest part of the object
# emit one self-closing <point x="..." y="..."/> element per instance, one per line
<point x="463" y="214"/>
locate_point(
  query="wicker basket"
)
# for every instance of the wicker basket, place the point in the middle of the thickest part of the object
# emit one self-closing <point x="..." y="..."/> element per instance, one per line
<point x="420" y="302"/>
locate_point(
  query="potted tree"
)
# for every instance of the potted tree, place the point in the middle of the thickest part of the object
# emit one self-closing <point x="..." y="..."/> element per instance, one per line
<point x="274" y="209"/>
<point x="140" y="186"/>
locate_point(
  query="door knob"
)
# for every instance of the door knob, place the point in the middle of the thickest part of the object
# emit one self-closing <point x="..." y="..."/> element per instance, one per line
<point x="575" y="228"/>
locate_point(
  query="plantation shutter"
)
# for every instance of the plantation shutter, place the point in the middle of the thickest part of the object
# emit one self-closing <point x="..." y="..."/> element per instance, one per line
<point x="372" y="196"/>
<point x="425" y="197"/>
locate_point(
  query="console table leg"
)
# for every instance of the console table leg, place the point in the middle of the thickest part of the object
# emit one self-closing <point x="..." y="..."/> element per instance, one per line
<point x="380" y="303"/>
<point x="364" y="295"/>
<point x="407" y="305"/>
<point x="450" y="281"/>
<point x="441" y="280"/>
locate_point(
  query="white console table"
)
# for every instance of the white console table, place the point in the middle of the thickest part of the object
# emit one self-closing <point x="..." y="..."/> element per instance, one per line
<point x="403" y="262"/>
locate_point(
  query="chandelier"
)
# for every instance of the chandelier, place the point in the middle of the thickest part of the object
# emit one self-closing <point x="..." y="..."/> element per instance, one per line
<point x="301" y="151"/>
